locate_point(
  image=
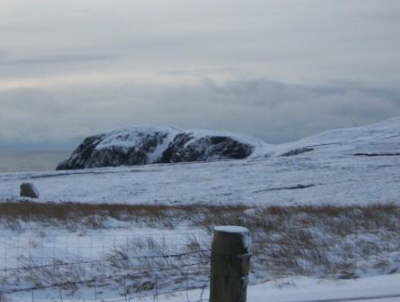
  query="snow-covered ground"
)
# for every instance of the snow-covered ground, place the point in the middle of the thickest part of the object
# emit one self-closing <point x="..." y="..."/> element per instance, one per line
<point x="55" y="264"/>
<point x="332" y="167"/>
<point x="358" y="165"/>
<point x="372" y="289"/>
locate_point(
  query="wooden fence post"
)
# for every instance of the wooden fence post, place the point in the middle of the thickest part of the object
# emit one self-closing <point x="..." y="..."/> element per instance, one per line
<point x="230" y="261"/>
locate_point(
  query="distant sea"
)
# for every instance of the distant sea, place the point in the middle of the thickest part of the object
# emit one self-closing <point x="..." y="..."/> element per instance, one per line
<point x="30" y="161"/>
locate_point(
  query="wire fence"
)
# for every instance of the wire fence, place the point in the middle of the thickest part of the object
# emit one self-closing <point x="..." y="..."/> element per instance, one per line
<point x="112" y="267"/>
<point x="127" y="269"/>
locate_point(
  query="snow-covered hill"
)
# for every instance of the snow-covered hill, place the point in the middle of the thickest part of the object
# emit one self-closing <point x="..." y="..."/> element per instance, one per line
<point x="149" y="144"/>
<point x="380" y="139"/>
<point x="341" y="166"/>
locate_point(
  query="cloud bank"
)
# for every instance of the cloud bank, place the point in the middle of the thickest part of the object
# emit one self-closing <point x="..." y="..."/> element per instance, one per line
<point x="279" y="70"/>
<point x="274" y="111"/>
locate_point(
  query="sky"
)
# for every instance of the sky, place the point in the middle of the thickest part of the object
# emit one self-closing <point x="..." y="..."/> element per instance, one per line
<point x="275" y="69"/>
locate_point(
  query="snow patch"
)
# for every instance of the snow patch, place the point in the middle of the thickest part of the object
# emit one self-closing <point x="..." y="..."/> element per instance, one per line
<point x="132" y="136"/>
<point x="231" y="229"/>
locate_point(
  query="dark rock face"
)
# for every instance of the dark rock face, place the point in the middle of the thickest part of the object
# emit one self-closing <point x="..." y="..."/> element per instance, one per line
<point x="186" y="149"/>
<point x="81" y="156"/>
<point x="139" y="146"/>
<point x="96" y="151"/>
<point x="116" y="155"/>
<point x="28" y="190"/>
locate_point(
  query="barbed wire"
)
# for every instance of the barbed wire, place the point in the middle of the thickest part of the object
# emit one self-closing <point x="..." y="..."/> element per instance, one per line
<point x="29" y="229"/>
<point x="58" y="264"/>
<point x="128" y="273"/>
<point x="298" y="243"/>
<point x="138" y="257"/>
<point x="118" y="261"/>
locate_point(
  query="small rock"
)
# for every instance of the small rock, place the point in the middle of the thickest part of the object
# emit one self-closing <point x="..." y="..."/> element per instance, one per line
<point x="29" y="190"/>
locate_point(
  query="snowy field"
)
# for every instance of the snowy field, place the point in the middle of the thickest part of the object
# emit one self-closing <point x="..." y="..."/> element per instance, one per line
<point x="374" y="289"/>
<point x="357" y="165"/>
<point x="273" y="181"/>
<point x="342" y="167"/>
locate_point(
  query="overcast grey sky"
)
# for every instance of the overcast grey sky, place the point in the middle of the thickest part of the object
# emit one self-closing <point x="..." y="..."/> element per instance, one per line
<point x="276" y="69"/>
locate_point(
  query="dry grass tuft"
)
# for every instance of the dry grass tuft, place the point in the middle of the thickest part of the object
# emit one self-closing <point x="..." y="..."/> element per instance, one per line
<point x="94" y="215"/>
<point x="323" y="241"/>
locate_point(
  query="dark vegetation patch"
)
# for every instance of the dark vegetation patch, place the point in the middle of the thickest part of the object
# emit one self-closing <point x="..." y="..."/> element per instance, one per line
<point x="298" y="151"/>
<point x="295" y="187"/>
<point x="376" y="154"/>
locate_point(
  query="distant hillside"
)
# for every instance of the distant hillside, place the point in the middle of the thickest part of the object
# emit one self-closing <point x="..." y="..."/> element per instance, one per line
<point x="379" y="139"/>
<point x="356" y="165"/>
<point x="147" y="144"/>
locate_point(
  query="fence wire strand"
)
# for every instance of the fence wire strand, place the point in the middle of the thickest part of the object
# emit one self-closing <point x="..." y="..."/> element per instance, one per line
<point x="178" y="268"/>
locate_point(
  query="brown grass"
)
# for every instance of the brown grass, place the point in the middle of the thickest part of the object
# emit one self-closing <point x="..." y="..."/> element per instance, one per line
<point x="323" y="241"/>
<point x="95" y="214"/>
<point x="207" y="216"/>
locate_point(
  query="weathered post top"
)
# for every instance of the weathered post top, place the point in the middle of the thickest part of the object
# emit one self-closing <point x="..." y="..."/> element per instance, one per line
<point x="230" y="261"/>
<point x="231" y="240"/>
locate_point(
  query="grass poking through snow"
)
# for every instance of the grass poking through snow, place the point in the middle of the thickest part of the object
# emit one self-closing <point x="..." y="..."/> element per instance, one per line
<point x="320" y="241"/>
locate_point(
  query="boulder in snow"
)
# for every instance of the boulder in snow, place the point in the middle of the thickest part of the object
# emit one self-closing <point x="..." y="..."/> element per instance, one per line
<point x="28" y="189"/>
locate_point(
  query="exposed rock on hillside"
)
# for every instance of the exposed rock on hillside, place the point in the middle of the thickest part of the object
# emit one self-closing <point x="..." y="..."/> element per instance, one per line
<point x="186" y="147"/>
<point x="28" y="189"/>
<point x="141" y="145"/>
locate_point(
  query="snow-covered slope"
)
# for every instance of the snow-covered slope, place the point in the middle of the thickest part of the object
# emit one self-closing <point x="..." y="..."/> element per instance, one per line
<point x="341" y="166"/>
<point x="380" y="139"/>
<point x="147" y="144"/>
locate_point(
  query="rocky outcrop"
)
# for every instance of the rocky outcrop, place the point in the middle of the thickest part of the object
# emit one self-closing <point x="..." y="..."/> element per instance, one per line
<point x="28" y="189"/>
<point x="141" y="145"/>
<point x="186" y="148"/>
<point x="82" y="155"/>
